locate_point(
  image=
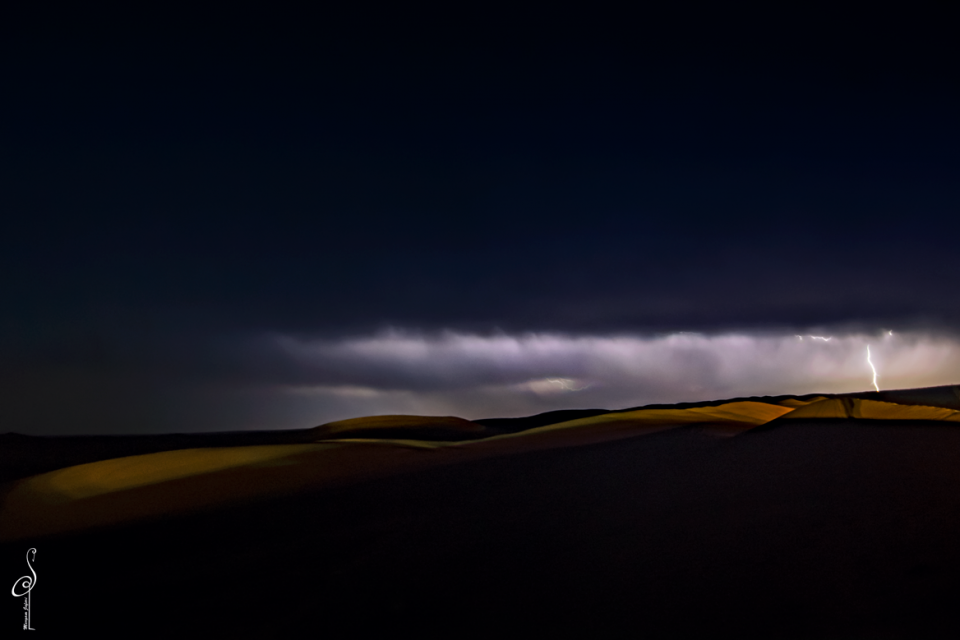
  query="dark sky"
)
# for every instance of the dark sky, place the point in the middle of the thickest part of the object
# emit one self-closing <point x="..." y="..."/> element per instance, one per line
<point x="183" y="193"/>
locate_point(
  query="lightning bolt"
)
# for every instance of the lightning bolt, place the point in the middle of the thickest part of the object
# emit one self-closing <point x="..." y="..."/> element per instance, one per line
<point x="873" y="368"/>
<point x="565" y="384"/>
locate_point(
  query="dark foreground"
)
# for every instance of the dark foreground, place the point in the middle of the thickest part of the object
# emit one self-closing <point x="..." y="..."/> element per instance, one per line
<point x="817" y="529"/>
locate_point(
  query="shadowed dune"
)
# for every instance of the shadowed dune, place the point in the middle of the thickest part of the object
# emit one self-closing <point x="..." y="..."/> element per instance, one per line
<point x="795" y="403"/>
<point x="152" y="485"/>
<point x="825" y="516"/>
<point x="121" y="489"/>
<point x="401" y="426"/>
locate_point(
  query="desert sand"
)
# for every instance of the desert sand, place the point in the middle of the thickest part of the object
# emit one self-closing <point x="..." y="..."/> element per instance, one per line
<point x="792" y="516"/>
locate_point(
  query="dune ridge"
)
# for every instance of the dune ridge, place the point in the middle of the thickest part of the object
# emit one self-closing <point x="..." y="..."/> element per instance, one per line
<point x="387" y="426"/>
<point x="127" y="488"/>
<point x="858" y="408"/>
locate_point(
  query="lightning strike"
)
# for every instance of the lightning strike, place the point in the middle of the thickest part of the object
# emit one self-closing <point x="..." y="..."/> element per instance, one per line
<point x="565" y="383"/>
<point x="822" y="338"/>
<point x="873" y="368"/>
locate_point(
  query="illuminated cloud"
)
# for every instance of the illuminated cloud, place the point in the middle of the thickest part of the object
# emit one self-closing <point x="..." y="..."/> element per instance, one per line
<point x="486" y="376"/>
<point x="283" y="381"/>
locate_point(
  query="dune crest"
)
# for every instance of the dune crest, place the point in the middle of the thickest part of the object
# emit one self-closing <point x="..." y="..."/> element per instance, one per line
<point x="796" y="403"/>
<point x="398" y="426"/>
<point x="134" y="487"/>
<point x="858" y="408"/>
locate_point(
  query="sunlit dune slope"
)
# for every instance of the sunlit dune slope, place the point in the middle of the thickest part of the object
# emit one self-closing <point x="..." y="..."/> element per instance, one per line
<point x="613" y="426"/>
<point x="947" y="396"/>
<point x="870" y="410"/>
<point x="135" y="487"/>
<point x="158" y="484"/>
<point x="121" y="489"/>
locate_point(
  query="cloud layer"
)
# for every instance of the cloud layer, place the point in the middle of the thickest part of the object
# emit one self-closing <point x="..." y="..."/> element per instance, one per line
<point x="488" y="376"/>
<point x="283" y="381"/>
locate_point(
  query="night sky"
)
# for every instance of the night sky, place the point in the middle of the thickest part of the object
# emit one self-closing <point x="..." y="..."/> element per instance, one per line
<point x="248" y="221"/>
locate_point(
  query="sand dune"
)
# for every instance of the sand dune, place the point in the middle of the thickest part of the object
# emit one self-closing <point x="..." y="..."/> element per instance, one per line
<point x="870" y="410"/>
<point x="152" y="485"/>
<point x="832" y="518"/>
<point x="796" y="402"/>
<point x="402" y="426"/>
<point x="129" y="488"/>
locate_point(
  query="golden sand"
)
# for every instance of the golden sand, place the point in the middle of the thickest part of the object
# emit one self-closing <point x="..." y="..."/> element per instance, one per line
<point x="871" y="410"/>
<point x="160" y="484"/>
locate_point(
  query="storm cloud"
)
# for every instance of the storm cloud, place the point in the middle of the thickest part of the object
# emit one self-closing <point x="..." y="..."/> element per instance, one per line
<point x="208" y="234"/>
<point x="504" y="375"/>
<point x="281" y="381"/>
